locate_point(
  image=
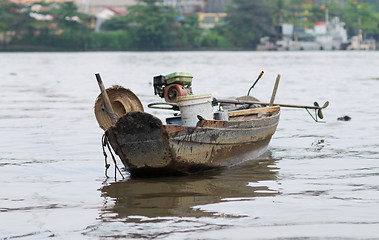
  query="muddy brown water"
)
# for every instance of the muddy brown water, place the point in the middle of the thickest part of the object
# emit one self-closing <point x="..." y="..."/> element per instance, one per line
<point x="317" y="180"/>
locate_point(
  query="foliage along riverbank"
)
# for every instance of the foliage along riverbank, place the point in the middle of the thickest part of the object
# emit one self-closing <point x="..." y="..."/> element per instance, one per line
<point x="155" y="27"/>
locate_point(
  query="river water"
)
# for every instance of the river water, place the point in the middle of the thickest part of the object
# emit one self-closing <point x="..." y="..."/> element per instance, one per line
<point x="317" y="180"/>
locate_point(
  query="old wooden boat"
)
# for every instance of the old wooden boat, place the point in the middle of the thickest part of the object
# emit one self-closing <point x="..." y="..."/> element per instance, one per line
<point x="208" y="133"/>
<point x="146" y="146"/>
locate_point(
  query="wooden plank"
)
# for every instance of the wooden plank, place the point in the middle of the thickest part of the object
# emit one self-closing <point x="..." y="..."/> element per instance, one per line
<point x="254" y="111"/>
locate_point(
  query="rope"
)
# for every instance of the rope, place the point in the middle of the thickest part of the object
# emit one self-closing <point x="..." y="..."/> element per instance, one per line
<point x="105" y="143"/>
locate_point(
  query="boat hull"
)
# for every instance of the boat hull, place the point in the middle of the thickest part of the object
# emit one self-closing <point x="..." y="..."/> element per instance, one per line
<point x="147" y="147"/>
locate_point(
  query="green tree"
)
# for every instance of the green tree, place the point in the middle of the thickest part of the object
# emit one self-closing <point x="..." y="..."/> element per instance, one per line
<point x="314" y="13"/>
<point x="213" y="39"/>
<point x="72" y="29"/>
<point x="189" y="33"/>
<point x="286" y="11"/>
<point x="374" y="4"/>
<point x="247" y="21"/>
<point x="150" y="24"/>
<point x="112" y="40"/>
<point x="14" y="22"/>
<point x="361" y="16"/>
<point x="335" y="8"/>
<point x="318" y="11"/>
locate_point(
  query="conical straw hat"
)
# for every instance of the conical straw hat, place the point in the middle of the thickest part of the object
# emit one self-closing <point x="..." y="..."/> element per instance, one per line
<point x="123" y="101"/>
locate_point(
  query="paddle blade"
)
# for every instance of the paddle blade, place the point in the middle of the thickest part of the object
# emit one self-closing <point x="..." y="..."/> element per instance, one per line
<point x="320" y="115"/>
<point x="325" y="104"/>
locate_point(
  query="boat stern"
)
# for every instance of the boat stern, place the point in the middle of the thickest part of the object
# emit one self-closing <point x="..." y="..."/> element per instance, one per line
<point x="141" y="141"/>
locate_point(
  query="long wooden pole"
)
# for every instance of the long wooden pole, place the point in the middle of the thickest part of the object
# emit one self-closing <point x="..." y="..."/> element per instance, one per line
<point x="108" y="105"/>
<point x="232" y="101"/>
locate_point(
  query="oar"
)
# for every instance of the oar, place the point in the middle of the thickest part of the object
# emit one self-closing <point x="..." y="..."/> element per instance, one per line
<point x="108" y="105"/>
<point x="315" y="106"/>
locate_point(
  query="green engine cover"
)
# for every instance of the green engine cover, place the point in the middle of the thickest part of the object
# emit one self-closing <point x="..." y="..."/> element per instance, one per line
<point x="179" y="77"/>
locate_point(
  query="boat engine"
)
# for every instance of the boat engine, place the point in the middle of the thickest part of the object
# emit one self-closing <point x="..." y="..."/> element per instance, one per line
<point x="173" y="85"/>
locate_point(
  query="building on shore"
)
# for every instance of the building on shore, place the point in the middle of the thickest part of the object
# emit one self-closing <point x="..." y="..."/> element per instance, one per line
<point x="94" y="7"/>
<point x="185" y="7"/>
<point x="38" y="1"/>
<point x="91" y="7"/>
<point x="212" y="13"/>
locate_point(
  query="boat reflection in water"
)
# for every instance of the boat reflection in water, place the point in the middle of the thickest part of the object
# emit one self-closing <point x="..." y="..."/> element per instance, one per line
<point x="179" y="196"/>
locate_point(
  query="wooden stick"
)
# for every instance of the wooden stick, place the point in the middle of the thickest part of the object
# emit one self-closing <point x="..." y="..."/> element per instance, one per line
<point x="274" y="90"/>
<point x="232" y="101"/>
<point x="108" y="105"/>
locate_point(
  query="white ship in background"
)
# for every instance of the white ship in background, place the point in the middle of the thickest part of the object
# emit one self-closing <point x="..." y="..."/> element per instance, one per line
<point x="328" y="35"/>
<point x="358" y="43"/>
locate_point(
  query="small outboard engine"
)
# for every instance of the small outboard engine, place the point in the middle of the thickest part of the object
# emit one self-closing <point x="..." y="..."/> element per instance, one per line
<point x="173" y="85"/>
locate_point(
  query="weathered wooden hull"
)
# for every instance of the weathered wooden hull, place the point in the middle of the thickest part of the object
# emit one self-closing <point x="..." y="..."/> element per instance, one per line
<point x="147" y="147"/>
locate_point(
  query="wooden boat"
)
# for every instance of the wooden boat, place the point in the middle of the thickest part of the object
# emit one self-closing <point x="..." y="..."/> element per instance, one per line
<point x="148" y="147"/>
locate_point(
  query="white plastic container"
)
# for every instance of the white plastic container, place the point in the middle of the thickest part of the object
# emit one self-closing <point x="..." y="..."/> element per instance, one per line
<point x="193" y="105"/>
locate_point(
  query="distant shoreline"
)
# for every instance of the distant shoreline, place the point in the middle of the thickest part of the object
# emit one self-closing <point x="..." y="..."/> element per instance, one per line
<point x="29" y="48"/>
